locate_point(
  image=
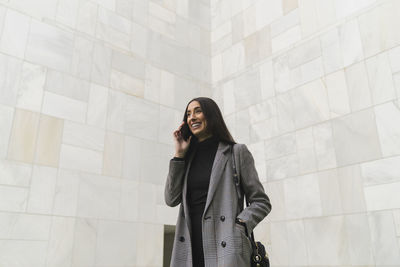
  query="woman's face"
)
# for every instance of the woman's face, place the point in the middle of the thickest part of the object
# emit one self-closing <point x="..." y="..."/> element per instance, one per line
<point x="196" y="120"/>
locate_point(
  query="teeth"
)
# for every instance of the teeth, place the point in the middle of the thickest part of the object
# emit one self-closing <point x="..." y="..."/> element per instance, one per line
<point x="195" y="125"/>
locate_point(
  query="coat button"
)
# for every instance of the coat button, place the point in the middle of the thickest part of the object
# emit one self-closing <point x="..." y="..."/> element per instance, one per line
<point x="222" y="218"/>
<point x="182" y="239"/>
<point x="223" y="244"/>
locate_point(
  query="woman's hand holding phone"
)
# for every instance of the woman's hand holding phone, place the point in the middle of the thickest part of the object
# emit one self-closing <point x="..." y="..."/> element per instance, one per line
<point x="181" y="145"/>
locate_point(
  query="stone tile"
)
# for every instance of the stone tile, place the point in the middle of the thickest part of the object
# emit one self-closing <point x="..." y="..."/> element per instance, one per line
<point x="286" y="39"/>
<point x="129" y="208"/>
<point x="305" y="151"/>
<point x="42" y="9"/>
<point x="275" y="191"/>
<point x="324" y="146"/>
<point x="10" y="73"/>
<point x="82" y="58"/>
<point x="101" y="68"/>
<point x="59" y="251"/>
<point x="84" y="249"/>
<point x="116" y="243"/>
<point x="394" y="59"/>
<point x="82" y="159"/>
<point x="97" y="106"/>
<point x="149" y="252"/>
<point x="346" y="8"/>
<point x="16" y="226"/>
<point x="154" y="154"/>
<point x="380" y="78"/>
<point x="132" y="159"/>
<point x="42" y="190"/>
<point x="249" y="20"/>
<point x="15" y="34"/>
<point x="49" y="46"/>
<point x="310" y="103"/>
<point x="280" y="244"/>
<point x="67" y="85"/>
<point x="351" y="133"/>
<point x="6" y="120"/>
<point x="297" y="243"/>
<point x="139" y="41"/>
<point x="330" y="190"/>
<point x="327" y="241"/>
<point x="383" y="196"/>
<point x="237" y="27"/>
<point x="285" y="112"/>
<point x="49" y="141"/>
<point x="109" y="4"/>
<point x="243" y="127"/>
<point x="64" y="107"/>
<point x="127" y="64"/>
<point x="359" y="238"/>
<point x="127" y="84"/>
<point x="291" y="19"/>
<point x="23" y="136"/>
<point x="280" y="146"/>
<point x="27" y="252"/>
<point x="233" y="59"/>
<point x="141" y="118"/>
<point x="302" y="197"/>
<point x="267" y="80"/>
<point x="308" y="17"/>
<point x="384" y="242"/>
<point x="351" y="189"/>
<point x="147" y="201"/>
<point x="289" y="5"/>
<point x="228" y="92"/>
<point x="267" y="12"/>
<point x="331" y="50"/>
<point x="113" y="154"/>
<point x="99" y="197"/>
<point x="67" y="12"/>
<point x="30" y="93"/>
<point x="358" y="87"/>
<point x="66" y="193"/>
<point x="304" y="53"/>
<point x="87" y="17"/>
<point x="381" y="171"/>
<point x="326" y="13"/>
<point x="337" y="94"/>
<point x="247" y="89"/>
<point x="15" y="173"/>
<point x="169" y="121"/>
<point x="13" y="198"/>
<point x="388" y="124"/>
<point x="262" y="111"/>
<point x="117" y="102"/>
<point x="350" y="42"/>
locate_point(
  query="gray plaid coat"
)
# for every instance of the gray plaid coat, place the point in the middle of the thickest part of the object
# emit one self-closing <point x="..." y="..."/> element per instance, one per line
<point x="225" y="243"/>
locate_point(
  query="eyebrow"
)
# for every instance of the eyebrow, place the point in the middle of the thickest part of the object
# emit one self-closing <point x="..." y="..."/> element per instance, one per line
<point x="194" y="109"/>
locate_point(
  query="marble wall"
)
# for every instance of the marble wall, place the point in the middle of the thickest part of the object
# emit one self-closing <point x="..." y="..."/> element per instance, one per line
<point x="313" y="87"/>
<point x="90" y="93"/>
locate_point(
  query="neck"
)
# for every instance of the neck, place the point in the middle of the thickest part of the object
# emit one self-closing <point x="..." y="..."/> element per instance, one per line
<point x="202" y="138"/>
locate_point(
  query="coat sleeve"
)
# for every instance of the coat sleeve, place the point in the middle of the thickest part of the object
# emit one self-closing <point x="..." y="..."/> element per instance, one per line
<point x="173" y="185"/>
<point x="260" y="204"/>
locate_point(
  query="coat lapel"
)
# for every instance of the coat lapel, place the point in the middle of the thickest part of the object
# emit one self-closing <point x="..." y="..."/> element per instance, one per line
<point x="221" y="157"/>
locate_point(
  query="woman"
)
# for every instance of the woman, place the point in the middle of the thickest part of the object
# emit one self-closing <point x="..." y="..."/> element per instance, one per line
<point x="211" y="227"/>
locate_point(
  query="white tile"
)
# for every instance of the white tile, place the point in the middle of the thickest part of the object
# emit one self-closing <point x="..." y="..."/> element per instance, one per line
<point x="383" y="196"/>
<point x="113" y="154"/>
<point x="67" y="85"/>
<point x="116" y="243"/>
<point x="10" y="73"/>
<point x="350" y="43"/>
<point x="280" y="146"/>
<point x="331" y="51"/>
<point x="127" y="84"/>
<point x="49" y="46"/>
<point x="286" y="22"/>
<point x="285" y="112"/>
<point x="101" y="68"/>
<point x="324" y="147"/>
<point x="330" y="190"/>
<point x="42" y="190"/>
<point x="267" y="80"/>
<point x="380" y="78"/>
<point x="275" y="191"/>
<point x="267" y="12"/>
<point x="302" y="197"/>
<point x="28" y="253"/>
<point x="15" y="173"/>
<point x="6" y="119"/>
<point x="304" y="53"/>
<point x="346" y="8"/>
<point x="337" y="94"/>
<point x="149" y="252"/>
<point x="141" y="118"/>
<point x="147" y="202"/>
<point x="81" y="65"/>
<point x="262" y="111"/>
<point x="228" y="92"/>
<point x="251" y="81"/>
<point x="280" y="244"/>
<point x="83" y="136"/>
<point x="286" y="39"/>
<point x="99" y="197"/>
<point x="310" y="103"/>
<point x="24" y="226"/>
<point x="394" y="59"/>
<point x="128" y="64"/>
<point x="84" y="248"/>
<point x="139" y="40"/>
<point x="307" y="161"/>
<point x="351" y="189"/>
<point x="381" y="171"/>
<point x="67" y="12"/>
<point x="76" y="158"/>
<point x="170" y="119"/>
<point x="31" y="88"/>
<point x="132" y="159"/>
<point x="97" y="106"/>
<point x="297" y="243"/>
<point x="41" y="9"/>
<point x="154" y="154"/>
<point x="64" y="107"/>
<point x="87" y="17"/>
<point x="326" y="13"/>
<point x="15" y="34"/>
<point x="351" y="133"/>
<point x="116" y="111"/>
<point x="358" y="87"/>
<point x="13" y="198"/>
<point x="384" y="242"/>
<point x="308" y="16"/>
<point x="388" y="125"/>
<point x="59" y="251"/>
<point x="327" y="241"/>
<point x="109" y="4"/>
<point x="129" y="208"/>
<point x="66" y="193"/>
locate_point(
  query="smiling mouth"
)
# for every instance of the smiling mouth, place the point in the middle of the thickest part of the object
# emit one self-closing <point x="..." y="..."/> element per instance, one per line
<point x="196" y="125"/>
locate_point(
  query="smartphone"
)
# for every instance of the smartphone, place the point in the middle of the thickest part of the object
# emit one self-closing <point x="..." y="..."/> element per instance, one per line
<point x="185" y="131"/>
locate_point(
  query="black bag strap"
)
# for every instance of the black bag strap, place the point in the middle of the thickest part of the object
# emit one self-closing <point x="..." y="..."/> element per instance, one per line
<point x="236" y="179"/>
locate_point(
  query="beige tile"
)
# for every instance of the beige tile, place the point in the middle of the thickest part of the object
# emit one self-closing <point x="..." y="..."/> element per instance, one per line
<point x="49" y="141"/>
<point x="23" y="136"/>
<point x="113" y="154"/>
<point x="289" y="5"/>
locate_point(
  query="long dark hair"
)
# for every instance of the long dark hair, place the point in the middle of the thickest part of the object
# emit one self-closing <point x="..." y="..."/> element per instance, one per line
<point x="215" y="122"/>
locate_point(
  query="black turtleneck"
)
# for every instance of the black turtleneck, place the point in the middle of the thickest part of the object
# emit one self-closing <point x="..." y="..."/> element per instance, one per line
<point x="199" y="174"/>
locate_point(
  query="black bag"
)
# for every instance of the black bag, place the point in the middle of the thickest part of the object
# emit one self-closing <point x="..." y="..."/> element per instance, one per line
<point x="259" y="257"/>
